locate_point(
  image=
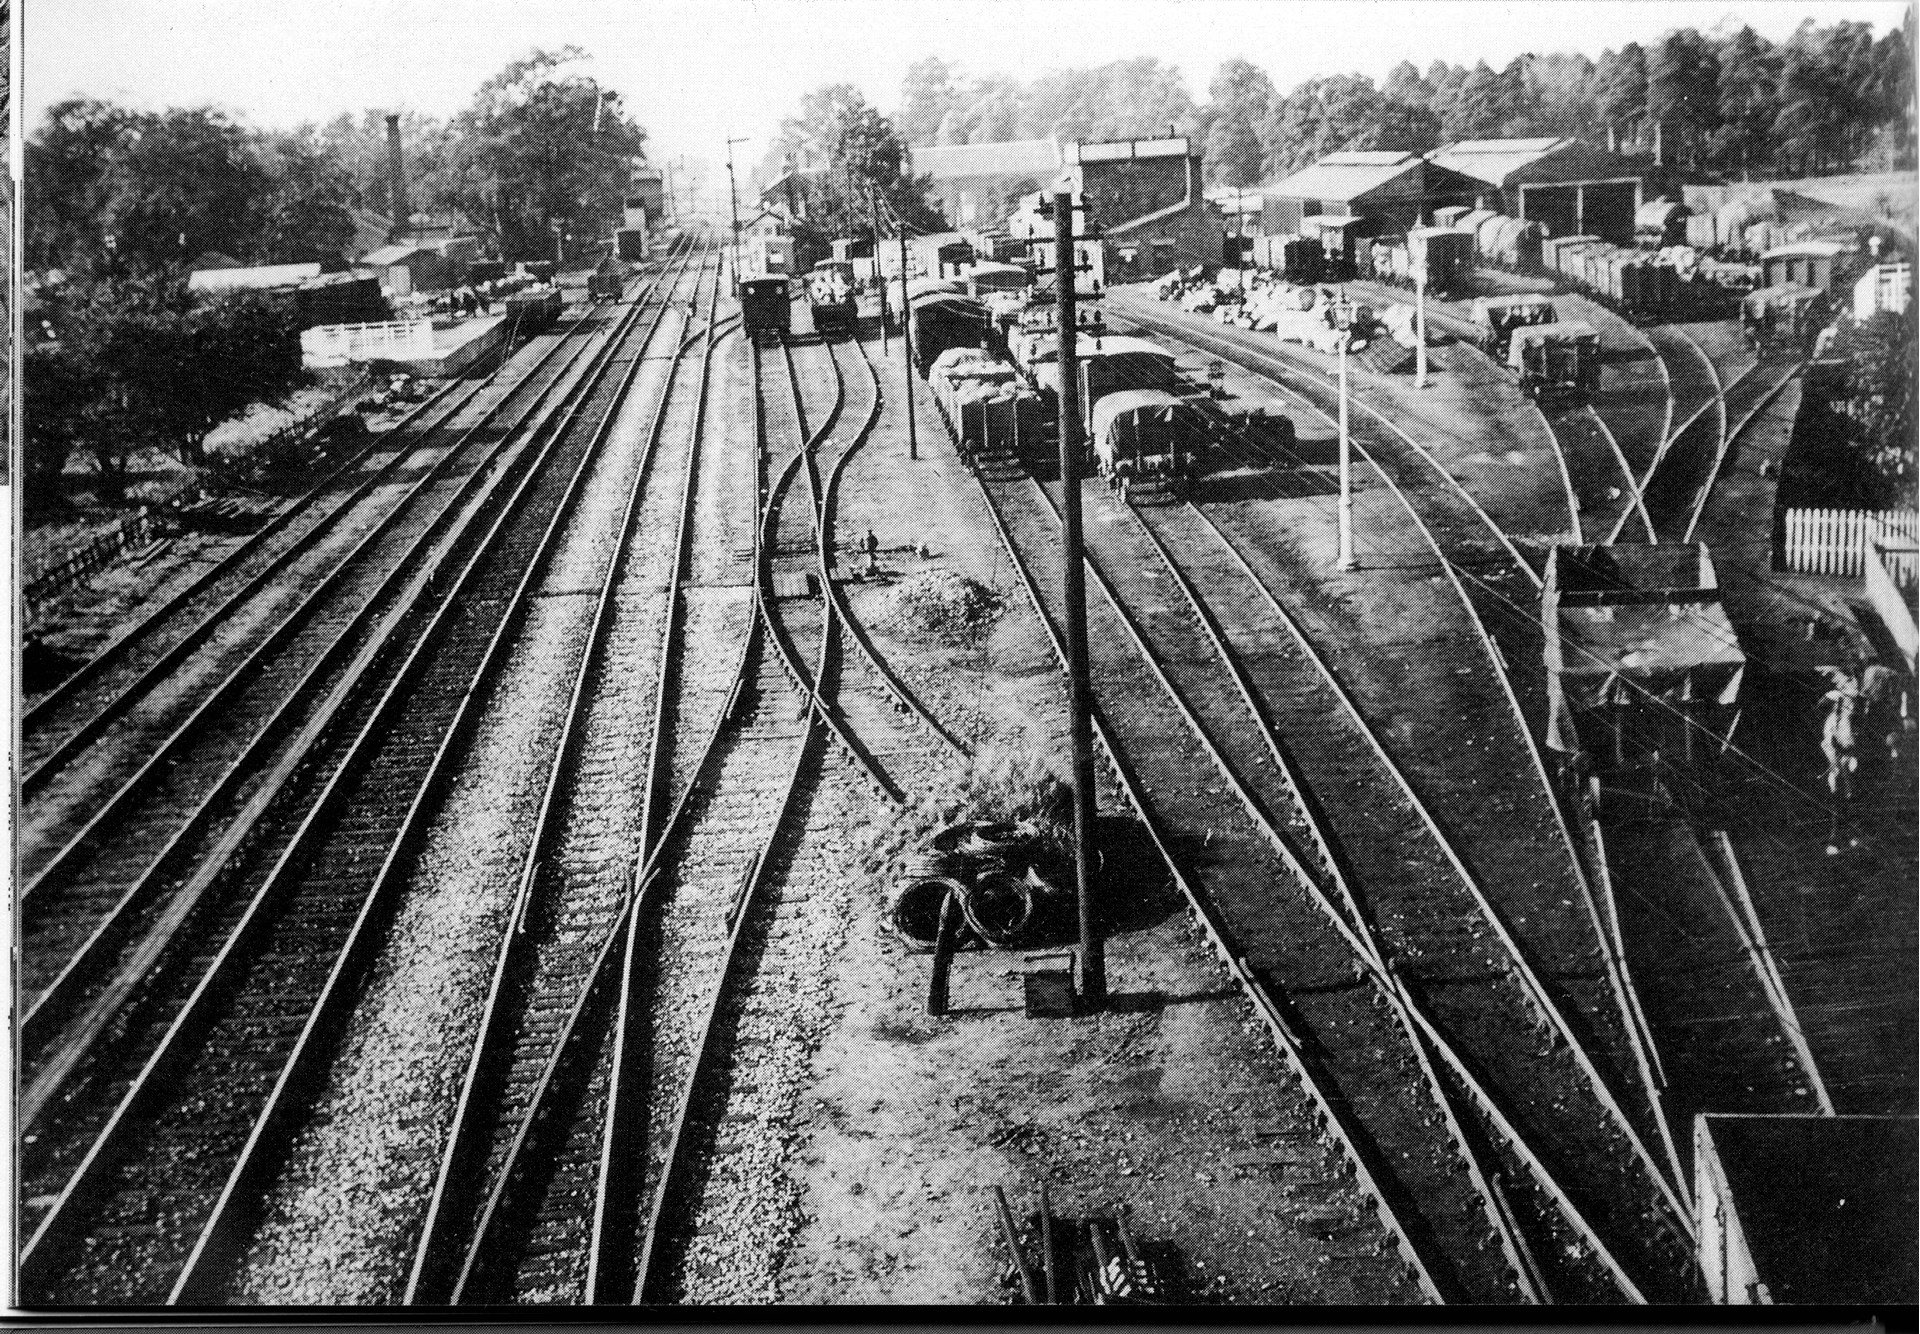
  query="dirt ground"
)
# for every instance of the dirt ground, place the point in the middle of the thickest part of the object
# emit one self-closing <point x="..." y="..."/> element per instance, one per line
<point x="1170" y="1107"/>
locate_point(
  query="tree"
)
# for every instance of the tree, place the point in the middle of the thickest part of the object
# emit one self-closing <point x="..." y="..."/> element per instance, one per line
<point x="180" y="184"/>
<point x="1880" y="402"/>
<point x="1343" y="111"/>
<point x="1683" y="92"/>
<point x="306" y="213"/>
<point x="861" y="159"/>
<point x="1749" y="93"/>
<point x="1621" y="85"/>
<point x="1126" y="99"/>
<point x="67" y="163"/>
<point x="139" y="364"/>
<point x="1239" y="98"/>
<point x="541" y="153"/>
<point x="926" y="96"/>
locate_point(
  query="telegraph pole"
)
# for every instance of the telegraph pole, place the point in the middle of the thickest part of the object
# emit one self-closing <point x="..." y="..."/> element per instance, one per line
<point x="733" y="202"/>
<point x="873" y="208"/>
<point x="1343" y="320"/>
<point x="1093" y="953"/>
<point x="906" y="338"/>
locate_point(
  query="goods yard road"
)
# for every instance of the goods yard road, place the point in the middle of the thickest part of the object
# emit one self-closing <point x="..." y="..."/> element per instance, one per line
<point x="461" y="928"/>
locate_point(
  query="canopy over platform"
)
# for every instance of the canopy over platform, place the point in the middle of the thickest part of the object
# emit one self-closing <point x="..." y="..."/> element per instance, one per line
<point x="1636" y="627"/>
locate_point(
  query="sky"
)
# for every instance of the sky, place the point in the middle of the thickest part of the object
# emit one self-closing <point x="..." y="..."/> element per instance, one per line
<point x="696" y="74"/>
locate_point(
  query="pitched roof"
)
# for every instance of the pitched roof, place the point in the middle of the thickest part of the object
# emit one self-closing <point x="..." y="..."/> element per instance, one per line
<point x="394" y="254"/>
<point x="1015" y="157"/>
<point x="1493" y="160"/>
<point x="257" y="278"/>
<point x="1337" y="177"/>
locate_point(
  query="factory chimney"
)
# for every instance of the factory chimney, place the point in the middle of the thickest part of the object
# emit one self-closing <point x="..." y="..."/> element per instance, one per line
<point x="396" y="179"/>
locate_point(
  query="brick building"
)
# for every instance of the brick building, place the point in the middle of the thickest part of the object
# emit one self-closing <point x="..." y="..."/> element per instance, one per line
<point x="1145" y="196"/>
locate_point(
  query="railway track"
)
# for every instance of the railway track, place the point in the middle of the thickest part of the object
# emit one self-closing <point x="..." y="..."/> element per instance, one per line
<point x="96" y="916"/>
<point x="1555" y="934"/>
<point x="524" y="1186"/>
<point x="186" y="1108"/>
<point x="197" y="794"/>
<point x="154" y="669"/>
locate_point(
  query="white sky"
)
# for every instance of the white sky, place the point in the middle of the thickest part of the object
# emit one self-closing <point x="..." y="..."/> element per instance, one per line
<point x="695" y="73"/>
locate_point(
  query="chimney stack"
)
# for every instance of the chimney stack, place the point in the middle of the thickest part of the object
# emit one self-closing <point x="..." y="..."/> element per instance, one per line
<point x="396" y="178"/>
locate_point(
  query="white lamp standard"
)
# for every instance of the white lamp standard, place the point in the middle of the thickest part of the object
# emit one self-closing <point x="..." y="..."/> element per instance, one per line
<point x="1343" y="321"/>
<point x="1420" y="326"/>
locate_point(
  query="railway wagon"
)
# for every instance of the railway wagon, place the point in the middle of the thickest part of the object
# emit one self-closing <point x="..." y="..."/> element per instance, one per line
<point x="1145" y="437"/>
<point x="607" y="282"/>
<point x="947" y="320"/>
<point x="1555" y="361"/>
<point x="533" y="309"/>
<point x="1496" y="317"/>
<point x="1441" y="257"/>
<point x="1784" y="316"/>
<point x="832" y="296"/>
<point x="630" y="244"/>
<point x="1660" y="222"/>
<point x="987" y="410"/>
<point x="767" y="257"/>
<point x="1510" y="243"/>
<point x="1803" y="264"/>
<point x="766" y="306"/>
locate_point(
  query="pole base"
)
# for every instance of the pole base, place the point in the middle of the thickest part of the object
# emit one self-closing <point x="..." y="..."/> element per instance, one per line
<point x="1346" y="563"/>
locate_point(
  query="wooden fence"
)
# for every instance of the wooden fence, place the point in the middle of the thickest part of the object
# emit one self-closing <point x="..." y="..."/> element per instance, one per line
<point x="1835" y="541"/>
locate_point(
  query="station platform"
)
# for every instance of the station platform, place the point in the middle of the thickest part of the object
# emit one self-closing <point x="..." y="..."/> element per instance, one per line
<point x="459" y="346"/>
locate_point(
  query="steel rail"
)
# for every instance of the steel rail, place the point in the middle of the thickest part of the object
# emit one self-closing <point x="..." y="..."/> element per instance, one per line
<point x="1670" y="436"/>
<point x="35" y="714"/>
<point x="1525" y="968"/>
<point x="1566" y="472"/>
<point x="1358" y="932"/>
<point x="894" y="687"/>
<point x="1638" y="1041"/>
<point x="159" y="764"/>
<point x="1239" y="353"/>
<point x="76" y="741"/>
<point x="1727" y="442"/>
<point x="464" y="1138"/>
<point x="1332" y="1109"/>
<point x="650" y="1267"/>
<point x="789" y="656"/>
<point x="69" y="989"/>
<point x="1635" y="501"/>
<point x="36" y="1257"/>
<point x="273" y="1126"/>
<point x="232" y="680"/>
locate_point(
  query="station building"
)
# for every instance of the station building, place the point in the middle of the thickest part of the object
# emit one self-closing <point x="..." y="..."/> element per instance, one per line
<point x="1145" y="197"/>
<point x="1570" y="188"/>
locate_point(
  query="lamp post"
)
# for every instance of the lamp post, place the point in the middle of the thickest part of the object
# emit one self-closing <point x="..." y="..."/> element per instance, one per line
<point x="1420" y="326"/>
<point x="1343" y="322"/>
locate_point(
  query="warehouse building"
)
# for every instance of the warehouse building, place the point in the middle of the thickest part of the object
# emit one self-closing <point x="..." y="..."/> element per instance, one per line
<point x="1568" y="187"/>
<point x="1389" y="192"/>
<point x="972" y="182"/>
<point x="1807" y="1208"/>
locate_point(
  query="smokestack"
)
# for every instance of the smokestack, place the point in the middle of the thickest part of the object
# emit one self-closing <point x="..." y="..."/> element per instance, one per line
<point x="396" y="177"/>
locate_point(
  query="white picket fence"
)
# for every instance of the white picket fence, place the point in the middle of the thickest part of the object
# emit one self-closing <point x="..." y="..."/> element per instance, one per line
<point x="393" y="340"/>
<point x="1835" y="541"/>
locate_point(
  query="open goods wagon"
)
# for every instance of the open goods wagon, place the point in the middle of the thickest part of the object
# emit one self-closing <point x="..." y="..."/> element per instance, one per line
<point x="946" y="320"/>
<point x="987" y="410"/>
<point x="533" y="309"/>
<point x="1496" y="317"/>
<point x="1556" y="360"/>
<point x="608" y="281"/>
<point x="766" y="306"/>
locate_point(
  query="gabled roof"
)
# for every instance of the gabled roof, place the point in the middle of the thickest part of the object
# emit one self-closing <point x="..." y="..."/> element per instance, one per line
<point x="1015" y="157"/>
<point x="394" y="254"/>
<point x="1336" y="176"/>
<point x="1494" y="160"/>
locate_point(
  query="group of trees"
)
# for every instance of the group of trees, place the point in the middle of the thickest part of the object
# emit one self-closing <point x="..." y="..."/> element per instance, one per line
<point x="855" y="163"/>
<point x="124" y="202"/>
<point x="1824" y="100"/>
<point x="138" y="363"/>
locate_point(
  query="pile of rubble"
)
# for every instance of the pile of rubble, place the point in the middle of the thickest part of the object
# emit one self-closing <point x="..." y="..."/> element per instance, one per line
<point x="942" y="604"/>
